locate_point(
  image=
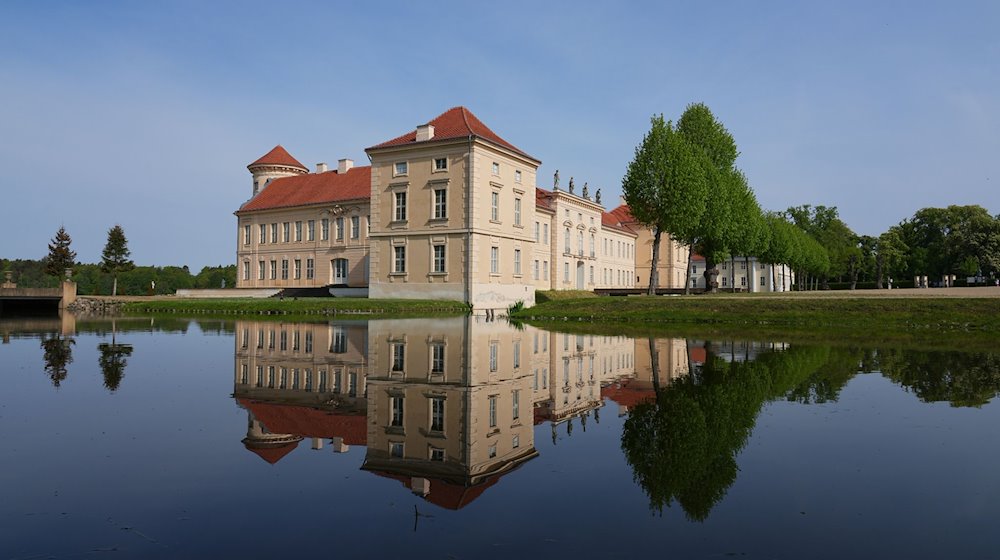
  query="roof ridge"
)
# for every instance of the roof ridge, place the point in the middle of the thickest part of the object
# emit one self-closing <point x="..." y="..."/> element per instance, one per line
<point x="465" y="117"/>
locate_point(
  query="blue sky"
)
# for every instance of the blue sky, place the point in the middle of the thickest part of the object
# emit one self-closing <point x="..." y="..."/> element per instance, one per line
<point x="147" y="113"/>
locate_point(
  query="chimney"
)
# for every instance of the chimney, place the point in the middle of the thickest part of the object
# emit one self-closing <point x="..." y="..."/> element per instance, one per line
<point x="344" y="165"/>
<point x="320" y="168"/>
<point x="425" y="132"/>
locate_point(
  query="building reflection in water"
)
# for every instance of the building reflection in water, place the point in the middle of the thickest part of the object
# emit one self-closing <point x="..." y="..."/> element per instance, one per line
<point x="445" y="407"/>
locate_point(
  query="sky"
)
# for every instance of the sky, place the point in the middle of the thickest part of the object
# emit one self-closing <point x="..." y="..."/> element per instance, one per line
<point x="145" y="114"/>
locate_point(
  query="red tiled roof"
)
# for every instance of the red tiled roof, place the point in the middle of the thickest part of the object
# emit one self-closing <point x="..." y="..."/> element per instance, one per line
<point x="308" y="422"/>
<point x="457" y="122"/>
<point x="274" y="454"/>
<point x="446" y="494"/>
<point x="278" y="156"/>
<point x="313" y="188"/>
<point x="697" y="257"/>
<point x="543" y="200"/>
<point x="610" y="221"/>
<point x="624" y="214"/>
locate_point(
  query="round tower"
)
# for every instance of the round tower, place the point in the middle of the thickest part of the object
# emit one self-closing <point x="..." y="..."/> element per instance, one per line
<point x="273" y="165"/>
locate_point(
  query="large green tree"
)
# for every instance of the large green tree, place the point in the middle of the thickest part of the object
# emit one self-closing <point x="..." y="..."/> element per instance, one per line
<point x="665" y="187"/>
<point x="115" y="257"/>
<point x="960" y="240"/>
<point x="60" y="257"/>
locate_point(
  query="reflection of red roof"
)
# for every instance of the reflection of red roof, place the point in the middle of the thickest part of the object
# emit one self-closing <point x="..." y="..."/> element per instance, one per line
<point x="274" y="454"/>
<point x="446" y="494"/>
<point x="313" y="188"/>
<point x="627" y="393"/>
<point x="308" y="422"/>
<point x="457" y="122"/>
<point x="278" y="156"/>
<point x="697" y="354"/>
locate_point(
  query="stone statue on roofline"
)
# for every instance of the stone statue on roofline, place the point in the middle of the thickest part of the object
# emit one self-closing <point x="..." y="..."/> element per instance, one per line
<point x="555" y="181"/>
<point x="570" y="185"/>
<point x="586" y="192"/>
<point x="597" y="196"/>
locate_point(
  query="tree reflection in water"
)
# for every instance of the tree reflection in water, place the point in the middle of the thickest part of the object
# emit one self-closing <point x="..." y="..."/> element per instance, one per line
<point x="58" y="355"/>
<point x="113" y="360"/>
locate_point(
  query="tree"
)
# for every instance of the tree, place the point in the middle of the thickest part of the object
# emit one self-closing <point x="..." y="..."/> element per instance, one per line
<point x="717" y="230"/>
<point x="890" y="252"/>
<point x="115" y="257"/>
<point x="665" y="187"/>
<point x="60" y="257"/>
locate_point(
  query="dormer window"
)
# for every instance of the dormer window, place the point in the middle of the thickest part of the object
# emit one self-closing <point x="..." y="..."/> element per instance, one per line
<point x="440" y="164"/>
<point x="400" y="168"/>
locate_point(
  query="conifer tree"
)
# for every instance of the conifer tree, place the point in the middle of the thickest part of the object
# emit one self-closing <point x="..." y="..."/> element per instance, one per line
<point x="61" y="257"/>
<point x="115" y="257"/>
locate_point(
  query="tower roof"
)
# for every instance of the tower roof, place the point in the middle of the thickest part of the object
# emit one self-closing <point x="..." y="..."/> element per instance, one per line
<point x="457" y="122"/>
<point x="278" y="156"/>
<point x="313" y="188"/>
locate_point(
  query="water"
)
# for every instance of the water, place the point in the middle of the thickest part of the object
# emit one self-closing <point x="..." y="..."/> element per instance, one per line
<point x="152" y="438"/>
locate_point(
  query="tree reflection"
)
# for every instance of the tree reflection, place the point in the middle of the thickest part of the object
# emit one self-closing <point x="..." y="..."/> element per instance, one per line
<point x="960" y="378"/>
<point x="113" y="360"/>
<point x="682" y="446"/>
<point x="58" y="355"/>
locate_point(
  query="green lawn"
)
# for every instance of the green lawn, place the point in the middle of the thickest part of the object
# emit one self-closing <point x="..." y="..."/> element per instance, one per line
<point x="300" y="307"/>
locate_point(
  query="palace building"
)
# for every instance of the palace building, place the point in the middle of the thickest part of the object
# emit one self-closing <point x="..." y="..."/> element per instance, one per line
<point x="448" y="210"/>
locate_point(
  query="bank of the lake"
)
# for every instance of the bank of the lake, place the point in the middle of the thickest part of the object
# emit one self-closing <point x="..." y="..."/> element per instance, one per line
<point x="304" y="307"/>
<point x="927" y="320"/>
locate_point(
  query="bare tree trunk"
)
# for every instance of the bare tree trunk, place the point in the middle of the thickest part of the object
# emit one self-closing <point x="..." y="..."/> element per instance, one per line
<point x="710" y="273"/>
<point x="878" y="272"/>
<point x="687" y="272"/>
<point x="732" y="273"/>
<point x="750" y="276"/>
<point x="772" y="278"/>
<point x="654" y="263"/>
<point x="654" y="357"/>
<point x="114" y="287"/>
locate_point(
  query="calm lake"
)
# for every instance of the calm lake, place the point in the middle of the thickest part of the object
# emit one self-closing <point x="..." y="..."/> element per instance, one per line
<point x="462" y="438"/>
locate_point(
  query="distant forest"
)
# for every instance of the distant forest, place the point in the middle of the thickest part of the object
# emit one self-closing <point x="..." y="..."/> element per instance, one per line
<point x="138" y="281"/>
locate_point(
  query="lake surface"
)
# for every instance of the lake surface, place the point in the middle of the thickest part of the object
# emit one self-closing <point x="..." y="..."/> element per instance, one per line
<point x="461" y="438"/>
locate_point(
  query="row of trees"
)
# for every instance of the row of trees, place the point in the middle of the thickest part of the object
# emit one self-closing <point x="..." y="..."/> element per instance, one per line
<point x="116" y="268"/>
<point x="683" y="181"/>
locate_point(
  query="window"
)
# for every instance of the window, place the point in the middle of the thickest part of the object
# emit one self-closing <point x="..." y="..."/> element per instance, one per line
<point x="496" y="168"/>
<point x="400" y="201"/>
<point x="355" y="227"/>
<point x="246" y="234"/>
<point x="545" y="269"/>
<point x="285" y="229"/>
<point x="260" y="376"/>
<point x="493" y="412"/>
<point x="270" y="377"/>
<point x="298" y="231"/>
<point x="763" y="280"/>
<point x="283" y="344"/>
<point x="517" y="211"/>
<point x="545" y="233"/>
<point x="517" y="261"/>
<point x="437" y="358"/>
<point x="296" y="339"/>
<point x="338" y="343"/>
<point x="438" y="258"/>
<point x="399" y="262"/>
<point x="591" y="274"/>
<point x="579" y="243"/>
<point x="495" y="260"/>
<point x="400" y="168"/>
<point x="309" y="343"/>
<point x="565" y="272"/>
<point x="440" y="204"/>
<point x="309" y="380"/>
<point x="246" y="270"/>
<point x="517" y="354"/>
<point x="535" y="270"/>
<point x="263" y="233"/>
<point x="538" y="232"/>
<point x="311" y="230"/>
<point x="324" y="229"/>
<point x="725" y="281"/>
<point x="515" y="442"/>
<point x="298" y="269"/>
<point x="440" y="164"/>
<point x="437" y="414"/>
<point x="322" y="381"/>
<point x="568" y="247"/>
<point x="274" y="233"/>
<point x="517" y="176"/>
<point x="493" y="451"/>
<point x="261" y="270"/>
<point x="437" y="454"/>
<point x="515" y="404"/>
<point x="398" y="356"/>
<point x="284" y="269"/>
<point x="340" y="271"/>
<point x="494" y="349"/>
<point x="397" y="411"/>
<point x="340" y="229"/>
<point x="274" y="270"/>
<point x="593" y="244"/>
<point x="310" y="269"/>
<point x="495" y="206"/>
